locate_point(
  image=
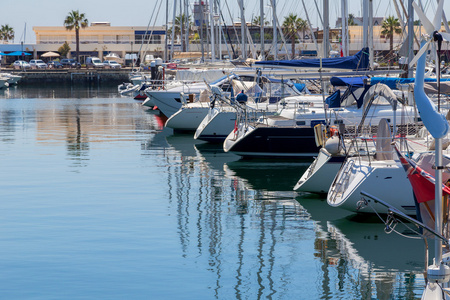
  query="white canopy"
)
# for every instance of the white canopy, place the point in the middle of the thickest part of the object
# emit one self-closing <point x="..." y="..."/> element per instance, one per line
<point x="50" y="54"/>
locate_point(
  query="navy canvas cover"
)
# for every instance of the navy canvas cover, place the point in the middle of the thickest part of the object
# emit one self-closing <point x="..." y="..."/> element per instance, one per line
<point x="359" y="61"/>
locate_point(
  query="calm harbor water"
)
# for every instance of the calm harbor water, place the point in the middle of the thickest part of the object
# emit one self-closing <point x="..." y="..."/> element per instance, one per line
<point x="99" y="201"/>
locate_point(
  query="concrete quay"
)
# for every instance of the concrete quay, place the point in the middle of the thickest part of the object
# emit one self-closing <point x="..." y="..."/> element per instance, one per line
<point x="71" y="76"/>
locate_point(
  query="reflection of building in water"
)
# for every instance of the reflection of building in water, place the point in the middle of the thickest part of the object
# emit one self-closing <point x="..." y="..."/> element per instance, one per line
<point x="81" y="123"/>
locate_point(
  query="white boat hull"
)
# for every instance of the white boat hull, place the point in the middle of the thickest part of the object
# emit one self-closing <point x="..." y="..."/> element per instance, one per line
<point x="320" y="174"/>
<point x="384" y="179"/>
<point x="188" y="118"/>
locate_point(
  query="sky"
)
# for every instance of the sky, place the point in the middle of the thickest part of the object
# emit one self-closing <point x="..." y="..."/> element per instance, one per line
<point x="29" y="13"/>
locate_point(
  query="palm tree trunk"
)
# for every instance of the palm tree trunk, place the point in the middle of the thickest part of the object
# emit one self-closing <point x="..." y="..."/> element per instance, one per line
<point x="391" y="42"/>
<point x="77" y="41"/>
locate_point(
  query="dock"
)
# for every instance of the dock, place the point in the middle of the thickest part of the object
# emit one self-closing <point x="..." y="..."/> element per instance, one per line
<point x="71" y="76"/>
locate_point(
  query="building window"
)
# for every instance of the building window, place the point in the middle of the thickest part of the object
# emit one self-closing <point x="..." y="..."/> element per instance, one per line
<point x="86" y="39"/>
<point x="145" y="39"/>
<point x="52" y="39"/>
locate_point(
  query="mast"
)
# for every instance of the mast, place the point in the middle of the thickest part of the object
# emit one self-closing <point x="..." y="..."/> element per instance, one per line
<point x="365" y="23"/>
<point x="211" y="21"/>
<point x="243" y="31"/>
<point x="326" y="28"/>
<point x="261" y="26"/>
<point x="173" y="27"/>
<point x="187" y="25"/>
<point x="370" y="33"/>
<point x="344" y="18"/>
<point x="201" y="30"/>
<point x="165" y="38"/>
<point x="410" y="36"/>
<point x="275" y="32"/>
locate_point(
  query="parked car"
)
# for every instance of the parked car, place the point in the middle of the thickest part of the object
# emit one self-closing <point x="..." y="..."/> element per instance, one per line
<point x="54" y="64"/>
<point x="94" y="62"/>
<point x="38" y="64"/>
<point x="70" y="63"/>
<point x="21" y="64"/>
<point x="112" y="64"/>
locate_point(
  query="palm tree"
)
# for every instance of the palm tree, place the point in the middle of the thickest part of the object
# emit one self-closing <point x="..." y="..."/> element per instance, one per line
<point x="257" y="21"/>
<point x="180" y="22"/>
<point x="291" y="25"/>
<point x="76" y="20"/>
<point x="351" y="20"/>
<point x="6" y="33"/>
<point x="391" y="26"/>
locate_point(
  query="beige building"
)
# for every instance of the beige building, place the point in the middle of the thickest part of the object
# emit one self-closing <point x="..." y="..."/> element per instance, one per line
<point x="100" y="39"/>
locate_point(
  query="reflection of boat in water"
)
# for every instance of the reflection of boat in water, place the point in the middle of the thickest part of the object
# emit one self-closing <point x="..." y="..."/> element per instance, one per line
<point x="383" y="252"/>
<point x="345" y="244"/>
<point x="214" y="155"/>
<point x="266" y="174"/>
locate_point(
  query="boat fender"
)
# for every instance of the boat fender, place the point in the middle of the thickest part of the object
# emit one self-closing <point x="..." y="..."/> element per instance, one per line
<point x="333" y="145"/>
<point x="319" y="134"/>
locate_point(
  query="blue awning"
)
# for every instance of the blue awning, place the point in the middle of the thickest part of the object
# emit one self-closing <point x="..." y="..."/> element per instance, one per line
<point x="359" y="61"/>
<point x="17" y="53"/>
<point x="348" y="81"/>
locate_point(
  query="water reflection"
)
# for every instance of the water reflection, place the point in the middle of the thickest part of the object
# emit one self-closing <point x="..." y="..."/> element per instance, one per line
<point x="237" y="221"/>
<point x="59" y="91"/>
<point x="356" y="260"/>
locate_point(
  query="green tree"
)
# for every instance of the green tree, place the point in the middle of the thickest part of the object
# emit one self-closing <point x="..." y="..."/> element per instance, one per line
<point x="391" y="26"/>
<point x="75" y="20"/>
<point x="351" y="20"/>
<point x="64" y="49"/>
<point x="257" y="21"/>
<point x="6" y="33"/>
<point x="180" y="22"/>
<point x="291" y="25"/>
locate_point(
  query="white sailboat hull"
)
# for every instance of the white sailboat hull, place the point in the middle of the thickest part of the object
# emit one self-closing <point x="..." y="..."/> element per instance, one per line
<point x="384" y="179"/>
<point x="320" y="174"/>
<point x="188" y="118"/>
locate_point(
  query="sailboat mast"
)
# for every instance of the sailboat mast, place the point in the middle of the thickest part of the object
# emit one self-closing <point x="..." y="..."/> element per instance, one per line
<point x="410" y="36"/>
<point x="370" y="33"/>
<point x="344" y="34"/>
<point x="243" y="31"/>
<point x="326" y="28"/>
<point x="261" y="26"/>
<point x="165" y="38"/>
<point x="275" y="31"/>
<point x="365" y="23"/>
<point x="211" y="21"/>
<point x="187" y="25"/>
<point x="173" y="28"/>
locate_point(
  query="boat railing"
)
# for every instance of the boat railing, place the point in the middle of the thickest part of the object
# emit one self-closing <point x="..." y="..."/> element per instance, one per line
<point x="341" y="181"/>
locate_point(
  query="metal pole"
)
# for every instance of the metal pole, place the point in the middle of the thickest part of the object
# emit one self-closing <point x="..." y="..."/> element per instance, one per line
<point x="275" y="31"/>
<point x="243" y="31"/>
<point x="370" y="40"/>
<point x="211" y="21"/>
<point x="173" y="27"/>
<point x="165" y="37"/>
<point x="410" y="37"/>
<point x="201" y="30"/>
<point x="365" y="23"/>
<point x="261" y="24"/>
<point x="344" y="17"/>
<point x="326" y="28"/>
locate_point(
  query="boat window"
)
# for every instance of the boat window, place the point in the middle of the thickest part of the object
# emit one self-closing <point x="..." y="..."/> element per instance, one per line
<point x="338" y="121"/>
<point x="300" y="123"/>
